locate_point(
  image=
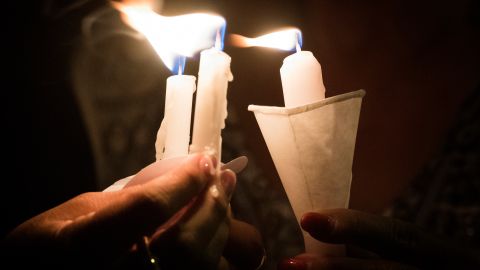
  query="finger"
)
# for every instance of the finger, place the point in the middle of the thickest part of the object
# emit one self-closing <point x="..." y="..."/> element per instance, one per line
<point x="154" y="170"/>
<point x="214" y="250"/>
<point x="312" y="262"/>
<point x="174" y="253"/>
<point x="201" y="233"/>
<point x="202" y="222"/>
<point x="137" y="211"/>
<point x="244" y="248"/>
<point x="388" y="237"/>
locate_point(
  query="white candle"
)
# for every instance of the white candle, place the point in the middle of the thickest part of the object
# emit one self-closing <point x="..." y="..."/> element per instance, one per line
<point x="301" y="73"/>
<point x="211" y="101"/>
<point x="186" y="35"/>
<point x="302" y="80"/>
<point x="177" y="118"/>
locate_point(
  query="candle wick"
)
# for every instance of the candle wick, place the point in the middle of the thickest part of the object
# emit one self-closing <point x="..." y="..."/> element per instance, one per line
<point x="218" y="41"/>
<point x="297" y="47"/>
<point x="180" y="69"/>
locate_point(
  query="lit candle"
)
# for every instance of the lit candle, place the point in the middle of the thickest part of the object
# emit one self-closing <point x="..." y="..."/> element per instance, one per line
<point x="177" y="116"/>
<point x="211" y="101"/>
<point x="302" y="81"/>
<point x="301" y="73"/>
<point x="186" y="35"/>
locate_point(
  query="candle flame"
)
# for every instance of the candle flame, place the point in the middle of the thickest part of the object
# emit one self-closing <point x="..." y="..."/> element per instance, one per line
<point x="287" y="40"/>
<point x="174" y="38"/>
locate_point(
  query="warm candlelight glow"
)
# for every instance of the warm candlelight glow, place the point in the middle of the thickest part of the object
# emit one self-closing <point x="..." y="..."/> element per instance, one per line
<point x="175" y="37"/>
<point x="287" y="40"/>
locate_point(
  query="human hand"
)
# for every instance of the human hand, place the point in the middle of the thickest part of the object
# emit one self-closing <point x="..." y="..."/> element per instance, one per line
<point x="243" y="250"/>
<point x="375" y="242"/>
<point x="101" y="229"/>
<point x="207" y="234"/>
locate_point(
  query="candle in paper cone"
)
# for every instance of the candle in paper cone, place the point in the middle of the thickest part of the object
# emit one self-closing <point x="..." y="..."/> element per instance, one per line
<point x="302" y="81"/>
<point x="312" y="148"/>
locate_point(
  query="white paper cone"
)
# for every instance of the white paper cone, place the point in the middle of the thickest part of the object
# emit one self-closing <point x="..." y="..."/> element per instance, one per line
<point x="312" y="147"/>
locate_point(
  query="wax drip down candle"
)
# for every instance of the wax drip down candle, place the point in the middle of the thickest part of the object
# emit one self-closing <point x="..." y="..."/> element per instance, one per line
<point x="301" y="73"/>
<point x="211" y="101"/>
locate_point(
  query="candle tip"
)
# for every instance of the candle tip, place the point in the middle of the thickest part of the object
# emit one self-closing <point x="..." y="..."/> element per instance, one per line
<point x="218" y="41"/>
<point x="180" y="69"/>
<point x="297" y="47"/>
<point x="182" y="61"/>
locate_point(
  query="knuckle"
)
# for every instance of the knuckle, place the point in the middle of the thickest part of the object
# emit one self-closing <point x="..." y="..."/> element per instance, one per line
<point x="195" y="175"/>
<point x="191" y="177"/>
<point x="84" y="196"/>
<point x="155" y="200"/>
<point x="350" y="226"/>
<point x="189" y="240"/>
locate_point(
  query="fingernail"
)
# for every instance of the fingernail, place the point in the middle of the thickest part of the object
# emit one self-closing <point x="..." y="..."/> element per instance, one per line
<point x="207" y="166"/>
<point x="292" y="264"/>
<point x="317" y="224"/>
<point x="228" y="180"/>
